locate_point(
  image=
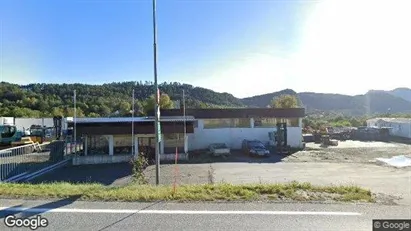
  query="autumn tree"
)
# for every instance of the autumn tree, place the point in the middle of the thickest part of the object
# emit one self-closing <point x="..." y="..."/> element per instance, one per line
<point x="285" y="101"/>
<point x="165" y="103"/>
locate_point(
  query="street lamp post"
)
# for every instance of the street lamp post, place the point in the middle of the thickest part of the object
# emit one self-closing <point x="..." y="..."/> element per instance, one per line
<point x="133" y="153"/>
<point x="156" y="107"/>
<point x="75" y="121"/>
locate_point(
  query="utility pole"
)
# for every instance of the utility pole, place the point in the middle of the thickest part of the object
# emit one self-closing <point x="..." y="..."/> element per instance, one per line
<point x="156" y="107"/>
<point x="75" y="120"/>
<point x="132" y="126"/>
<point x="185" y="126"/>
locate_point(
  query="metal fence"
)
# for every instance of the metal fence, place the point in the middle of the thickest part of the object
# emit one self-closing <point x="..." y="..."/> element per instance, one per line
<point x="18" y="161"/>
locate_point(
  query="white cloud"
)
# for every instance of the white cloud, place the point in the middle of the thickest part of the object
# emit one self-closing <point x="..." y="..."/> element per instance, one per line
<point x="347" y="46"/>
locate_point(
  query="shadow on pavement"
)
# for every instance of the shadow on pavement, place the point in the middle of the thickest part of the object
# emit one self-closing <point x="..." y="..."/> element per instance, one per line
<point x="105" y="174"/>
<point x="236" y="156"/>
<point x="38" y="209"/>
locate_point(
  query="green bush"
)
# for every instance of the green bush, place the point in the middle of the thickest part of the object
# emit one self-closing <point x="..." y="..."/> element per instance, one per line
<point x="139" y="165"/>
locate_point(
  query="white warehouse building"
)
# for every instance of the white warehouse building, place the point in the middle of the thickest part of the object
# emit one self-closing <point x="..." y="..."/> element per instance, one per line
<point x="231" y="126"/>
<point x="400" y="127"/>
<point x="109" y="140"/>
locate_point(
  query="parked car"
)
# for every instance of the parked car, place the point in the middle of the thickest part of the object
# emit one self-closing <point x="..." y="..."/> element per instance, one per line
<point x="219" y="149"/>
<point x="255" y="148"/>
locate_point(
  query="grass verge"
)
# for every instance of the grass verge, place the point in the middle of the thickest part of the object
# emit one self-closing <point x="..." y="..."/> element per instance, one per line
<point x="206" y="192"/>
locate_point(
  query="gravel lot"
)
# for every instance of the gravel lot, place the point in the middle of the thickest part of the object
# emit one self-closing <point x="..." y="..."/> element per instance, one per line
<point x="352" y="162"/>
<point x="350" y="151"/>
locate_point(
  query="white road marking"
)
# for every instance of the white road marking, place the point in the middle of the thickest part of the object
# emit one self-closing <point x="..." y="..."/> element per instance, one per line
<point x="189" y="212"/>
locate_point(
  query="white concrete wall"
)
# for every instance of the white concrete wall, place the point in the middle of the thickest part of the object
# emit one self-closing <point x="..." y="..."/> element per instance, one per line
<point x="401" y="129"/>
<point x="103" y="159"/>
<point x="233" y="137"/>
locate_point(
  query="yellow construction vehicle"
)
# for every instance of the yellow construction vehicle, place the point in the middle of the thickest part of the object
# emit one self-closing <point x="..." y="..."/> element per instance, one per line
<point x="23" y="141"/>
<point x="40" y="134"/>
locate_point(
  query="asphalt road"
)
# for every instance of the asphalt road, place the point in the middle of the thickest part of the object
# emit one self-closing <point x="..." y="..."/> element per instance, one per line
<point x="77" y="215"/>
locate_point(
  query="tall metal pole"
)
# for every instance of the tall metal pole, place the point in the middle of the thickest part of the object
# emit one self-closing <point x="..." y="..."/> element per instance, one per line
<point x="132" y="126"/>
<point x="156" y="107"/>
<point x="185" y="127"/>
<point x="75" y="120"/>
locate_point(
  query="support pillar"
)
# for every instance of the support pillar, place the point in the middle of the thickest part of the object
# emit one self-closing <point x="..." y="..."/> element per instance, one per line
<point x="186" y="144"/>
<point x="111" y="145"/>
<point x="85" y="145"/>
<point x="251" y="122"/>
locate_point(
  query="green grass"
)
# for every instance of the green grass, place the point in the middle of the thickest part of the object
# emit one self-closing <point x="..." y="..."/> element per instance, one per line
<point x="206" y="192"/>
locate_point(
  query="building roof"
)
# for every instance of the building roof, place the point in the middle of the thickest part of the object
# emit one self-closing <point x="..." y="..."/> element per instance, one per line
<point x="217" y="113"/>
<point x="130" y="119"/>
<point x="393" y="120"/>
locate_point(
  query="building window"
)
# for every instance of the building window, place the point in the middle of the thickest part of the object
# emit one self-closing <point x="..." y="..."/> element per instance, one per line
<point x="173" y="141"/>
<point x="97" y="145"/>
<point x="292" y="122"/>
<point x="241" y="123"/>
<point x="227" y="123"/>
<point x="265" y="122"/>
<point x="272" y="122"/>
<point x="122" y="144"/>
<point x="218" y="123"/>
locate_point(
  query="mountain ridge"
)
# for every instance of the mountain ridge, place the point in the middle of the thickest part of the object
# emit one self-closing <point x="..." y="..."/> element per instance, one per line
<point x="102" y="100"/>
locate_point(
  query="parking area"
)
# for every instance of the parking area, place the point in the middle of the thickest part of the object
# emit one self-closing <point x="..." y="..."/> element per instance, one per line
<point x="351" y="162"/>
<point x="350" y="152"/>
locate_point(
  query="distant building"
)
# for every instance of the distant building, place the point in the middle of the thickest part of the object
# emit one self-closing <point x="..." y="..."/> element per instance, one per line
<point x="400" y="127"/>
<point x="109" y="140"/>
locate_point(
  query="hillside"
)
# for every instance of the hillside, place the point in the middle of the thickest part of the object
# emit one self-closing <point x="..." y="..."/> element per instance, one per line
<point x="344" y="104"/>
<point x="373" y="102"/>
<point x="265" y="100"/>
<point x="36" y="100"/>
<point x="404" y="93"/>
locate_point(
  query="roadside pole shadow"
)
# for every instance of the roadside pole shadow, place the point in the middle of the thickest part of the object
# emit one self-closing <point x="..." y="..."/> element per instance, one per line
<point x="10" y="211"/>
<point x="43" y="208"/>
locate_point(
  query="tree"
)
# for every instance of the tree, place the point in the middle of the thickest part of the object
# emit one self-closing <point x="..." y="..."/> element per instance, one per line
<point x="69" y="112"/>
<point x="285" y="101"/>
<point x="57" y="112"/>
<point x="93" y="114"/>
<point x="165" y="103"/>
<point x="104" y="110"/>
<point x="124" y="107"/>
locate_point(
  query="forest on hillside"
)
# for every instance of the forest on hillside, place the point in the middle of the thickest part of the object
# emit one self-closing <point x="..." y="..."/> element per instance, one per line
<point x="44" y="100"/>
<point x="115" y="99"/>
